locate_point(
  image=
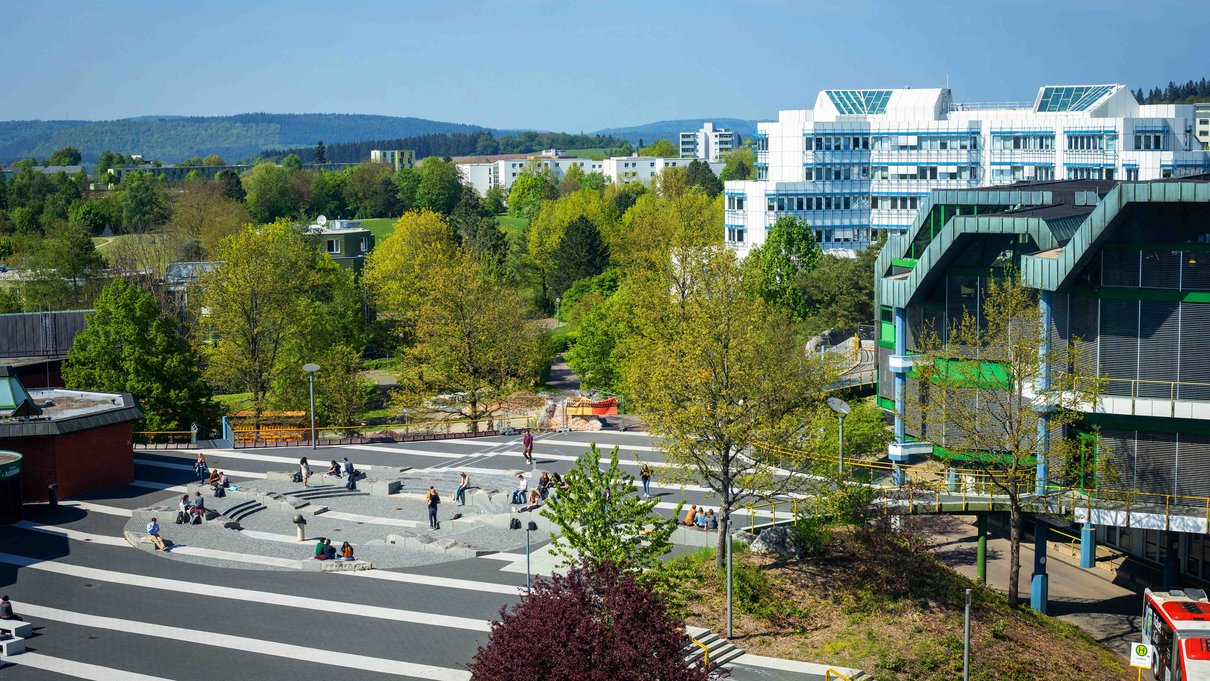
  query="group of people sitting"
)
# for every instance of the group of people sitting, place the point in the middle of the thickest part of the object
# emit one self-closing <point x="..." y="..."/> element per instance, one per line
<point x="325" y="551"/>
<point x="341" y="468"/>
<point x="701" y="518"/>
<point x="218" y="483"/>
<point x="530" y="500"/>
<point x="191" y="512"/>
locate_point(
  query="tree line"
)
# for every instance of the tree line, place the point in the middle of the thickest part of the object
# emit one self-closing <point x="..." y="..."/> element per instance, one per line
<point x="481" y="143"/>
<point x="1175" y="93"/>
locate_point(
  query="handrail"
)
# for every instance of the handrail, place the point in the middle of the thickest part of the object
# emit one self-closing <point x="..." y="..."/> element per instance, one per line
<point x="705" y="651"/>
<point x="832" y="673"/>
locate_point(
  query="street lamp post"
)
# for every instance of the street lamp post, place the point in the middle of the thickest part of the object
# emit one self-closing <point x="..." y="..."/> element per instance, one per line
<point x="515" y="524"/>
<point x="311" y="369"/>
<point x="842" y="409"/>
<point x="966" y="640"/>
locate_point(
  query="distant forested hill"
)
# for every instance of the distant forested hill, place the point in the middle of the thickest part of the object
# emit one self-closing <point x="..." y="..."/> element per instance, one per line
<point x="671" y="130"/>
<point x="171" y="138"/>
<point x="481" y="143"/>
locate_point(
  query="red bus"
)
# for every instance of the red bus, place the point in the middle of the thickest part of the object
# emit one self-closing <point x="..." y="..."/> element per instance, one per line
<point x="1177" y="624"/>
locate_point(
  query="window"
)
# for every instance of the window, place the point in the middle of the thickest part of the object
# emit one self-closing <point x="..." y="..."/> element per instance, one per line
<point x="365" y="244"/>
<point x="1132" y="174"/>
<point x="1149" y="141"/>
<point x="735" y="233"/>
<point x="333" y="246"/>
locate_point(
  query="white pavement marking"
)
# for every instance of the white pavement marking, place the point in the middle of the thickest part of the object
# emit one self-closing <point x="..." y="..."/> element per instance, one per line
<point x="248" y="595"/>
<point x="269" y="536"/>
<point x="189" y="467"/>
<point x="79" y="670"/>
<point x="98" y="508"/>
<point x="371" y="520"/>
<point x="160" y="486"/>
<point x="446" y="582"/>
<point x="400" y="450"/>
<point x="544" y="441"/>
<point x="71" y="534"/>
<point x="229" y="642"/>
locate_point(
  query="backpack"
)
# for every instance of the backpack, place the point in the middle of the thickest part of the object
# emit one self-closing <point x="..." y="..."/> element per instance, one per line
<point x="181" y="519"/>
<point x="219" y="492"/>
<point x="297" y="476"/>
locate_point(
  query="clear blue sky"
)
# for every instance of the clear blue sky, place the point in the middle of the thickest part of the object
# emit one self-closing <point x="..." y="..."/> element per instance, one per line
<point x="566" y="64"/>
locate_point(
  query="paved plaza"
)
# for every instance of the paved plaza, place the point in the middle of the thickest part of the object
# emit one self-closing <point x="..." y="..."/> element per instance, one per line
<point x="246" y="602"/>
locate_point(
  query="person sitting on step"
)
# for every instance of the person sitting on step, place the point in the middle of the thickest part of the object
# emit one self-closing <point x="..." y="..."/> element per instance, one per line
<point x="153" y="533"/>
<point x="6" y="610"/>
<point x="690" y="515"/>
<point x="333" y="469"/>
<point x="519" y="493"/>
<point x="182" y="510"/>
<point x="535" y="502"/>
<point x="197" y="510"/>
<point x="711" y="520"/>
<point x="346" y="552"/>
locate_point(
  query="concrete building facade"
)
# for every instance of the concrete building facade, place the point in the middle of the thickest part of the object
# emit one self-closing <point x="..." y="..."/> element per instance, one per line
<point x="396" y="158"/>
<point x="1122" y="274"/>
<point x="485" y="174"/>
<point x="864" y="161"/>
<point x="708" y="143"/>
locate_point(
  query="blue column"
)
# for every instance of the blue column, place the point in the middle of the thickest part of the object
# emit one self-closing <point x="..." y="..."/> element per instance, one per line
<point x="1043" y="470"/>
<point x="1088" y="546"/>
<point x="900" y="391"/>
<point x="1040" y="587"/>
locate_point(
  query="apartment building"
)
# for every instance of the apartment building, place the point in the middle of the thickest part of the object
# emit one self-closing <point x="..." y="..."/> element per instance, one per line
<point x="708" y="143"/>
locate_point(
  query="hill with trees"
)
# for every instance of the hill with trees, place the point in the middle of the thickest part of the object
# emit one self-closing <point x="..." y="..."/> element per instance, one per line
<point x="671" y="130"/>
<point x="1176" y="93"/>
<point x="176" y="138"/>
<point x="479" y="143"/>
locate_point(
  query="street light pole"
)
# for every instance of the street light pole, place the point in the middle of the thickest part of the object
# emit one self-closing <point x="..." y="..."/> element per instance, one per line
<point x="311" y="369"/>
<point x="966" y="640"/>
<point x="841" y="459"/>
<point x="842" y="409"/>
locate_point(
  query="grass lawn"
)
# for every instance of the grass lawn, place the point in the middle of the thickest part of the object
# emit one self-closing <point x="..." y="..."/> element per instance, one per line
<point x="108" y="245"/>
<point x="380" y="227"/>
<point x="234" y="402"/>
<point x="511" y="225"/>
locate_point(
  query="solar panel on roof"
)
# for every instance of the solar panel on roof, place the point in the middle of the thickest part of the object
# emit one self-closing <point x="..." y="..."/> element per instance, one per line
<point x="1060" y="98"/>
<point x="860" y="102"/>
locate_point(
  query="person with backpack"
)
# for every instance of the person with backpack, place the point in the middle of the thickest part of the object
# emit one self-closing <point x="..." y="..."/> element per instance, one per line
<point x="182" y="512"/>
<point x="197" y="511"/>
<point x="433" y="500"/>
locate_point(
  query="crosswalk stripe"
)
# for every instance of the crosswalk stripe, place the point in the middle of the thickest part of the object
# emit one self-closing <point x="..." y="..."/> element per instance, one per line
<point x="429" y="580"/>
<point x="568" y="443"/>
<point x="72" y="534"/>
<point x="98" y="508"/>
<point x="400" y="450"/>
<point x="248" y="595"/>
<point x="232" y="642"/>
<point x="79" y="670"/>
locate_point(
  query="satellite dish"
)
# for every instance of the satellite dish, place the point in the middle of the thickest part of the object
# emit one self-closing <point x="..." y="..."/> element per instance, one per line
<point x="321" y="220"/>
<point x="838" y="405"/>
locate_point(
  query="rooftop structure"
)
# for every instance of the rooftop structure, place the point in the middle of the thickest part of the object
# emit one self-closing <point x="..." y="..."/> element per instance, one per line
<point x="863" y="161"/>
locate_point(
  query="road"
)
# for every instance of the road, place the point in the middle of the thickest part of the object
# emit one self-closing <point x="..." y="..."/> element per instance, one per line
<point x="103" y="610"/>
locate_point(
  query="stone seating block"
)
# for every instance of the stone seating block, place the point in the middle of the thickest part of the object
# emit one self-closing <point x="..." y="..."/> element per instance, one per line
<point x="17" y="628"/>
<point x="383" y="488"/>
<point x="12" y="646"/>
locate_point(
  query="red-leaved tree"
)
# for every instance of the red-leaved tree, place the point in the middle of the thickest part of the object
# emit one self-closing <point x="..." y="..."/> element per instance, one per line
<point x="597" y="623"/>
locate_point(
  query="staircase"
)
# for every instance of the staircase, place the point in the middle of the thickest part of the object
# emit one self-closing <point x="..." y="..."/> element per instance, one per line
<point x="244" y="509"/>
<point x="719" y="650"/>
<point x="325" y="492"/>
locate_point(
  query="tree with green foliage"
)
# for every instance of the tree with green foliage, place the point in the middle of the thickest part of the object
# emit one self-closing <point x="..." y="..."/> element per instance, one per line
<point x="268" y="192"/>
<point x="473" y="339"/>
<point x="866" y="434"/>
<point x="840" y="290"/>
<point x="371" y="191"/>
<point x="535" y="184"/>
<point x="328" y="192"/>
<point x="94" y="215"/>
<point x="321" y="152"/>
<point x="407" y="183"/>
<point x="395" y="269"/>
<point x="588" y="293"/>
<point x="478" y="231"/>
<point x="593" y="352"/>
<point x="714" y="370"/>
<point x="775" y="268"/>
<point x="660" y="149"/>
<point x="194" y="162"/>
<point x="203" y="213"/>
<point x="571" y="180"/>
<point x="291" y="163"/>
<point x="213" y="160"/>
<point x="228" y="181"/>
<point x="267" y="295"/>
<point x="601" y="517"/>
<point x="67" y="156"/>
<point x="594" y="181"/>
<point x="129" y="345"/>
<point x="64" y="271"/>
<point x="581" y="254"/>
<point x="493" y="200"/>
<point x="699" y="174"/>
<point x="739" y="164"/>
<point x="440" y="186"/>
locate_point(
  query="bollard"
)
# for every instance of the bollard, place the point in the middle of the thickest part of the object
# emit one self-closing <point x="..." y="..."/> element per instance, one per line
<point x="52" y="496"/>
<point x="300" y="524"/>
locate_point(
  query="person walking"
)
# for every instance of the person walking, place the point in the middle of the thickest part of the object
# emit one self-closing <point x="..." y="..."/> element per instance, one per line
<point x="645" y="476"/>
<point x="153" y="531"/>
<point x="464" y="483"/>
<point x="304" y="471"/>
<point x="433" y="500"/>
<point x="527" y="446"/>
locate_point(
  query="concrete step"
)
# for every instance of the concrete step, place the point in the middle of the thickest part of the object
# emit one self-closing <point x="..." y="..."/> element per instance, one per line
<point x="243" y="510"/>
<point x="721" y="650"/>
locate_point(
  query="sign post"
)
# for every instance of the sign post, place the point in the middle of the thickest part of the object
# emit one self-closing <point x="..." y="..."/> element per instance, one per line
<point x="1140" y="656"/>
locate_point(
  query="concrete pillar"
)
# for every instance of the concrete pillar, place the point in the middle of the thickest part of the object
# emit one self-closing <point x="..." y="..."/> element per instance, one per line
<point x="1171" y="559"/>
<point x="981" y="548"/>
<point x="951" y="479"/>
<point x="1088" y="546"/>
<point x="1040" y="585"/>
<point x="1043" y="468"/>
<point x="900" y="392"/>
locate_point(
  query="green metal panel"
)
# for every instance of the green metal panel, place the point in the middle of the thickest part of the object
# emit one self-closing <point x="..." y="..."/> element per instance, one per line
<point x="886" y="333"/>
<point x="904" y="262"/>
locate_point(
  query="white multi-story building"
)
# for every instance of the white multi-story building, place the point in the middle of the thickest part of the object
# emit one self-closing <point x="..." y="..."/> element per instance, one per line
<point x="398" y="158"/>
<point x="1202" y="127"/>
<point x="862" y="161"/>
<point x="621" y="169"/>
<point x="709" y="143"/>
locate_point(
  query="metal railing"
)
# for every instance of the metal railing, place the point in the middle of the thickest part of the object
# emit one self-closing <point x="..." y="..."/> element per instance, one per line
<point x="833" y="674"/>
<point x="1200" y="392"/>
<point x="705" y="651"/>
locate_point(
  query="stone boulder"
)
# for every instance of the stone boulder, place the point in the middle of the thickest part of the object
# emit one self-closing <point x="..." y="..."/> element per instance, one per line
<point x="778" y="541"/>
<point x="743" y="536"/>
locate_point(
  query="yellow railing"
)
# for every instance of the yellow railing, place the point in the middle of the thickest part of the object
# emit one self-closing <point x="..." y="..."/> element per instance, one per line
<point x="833" y="674"/>
<point x="705" y="651"/>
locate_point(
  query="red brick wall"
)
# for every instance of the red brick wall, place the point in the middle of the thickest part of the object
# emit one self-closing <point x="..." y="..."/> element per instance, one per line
<point x="78" y="462"/>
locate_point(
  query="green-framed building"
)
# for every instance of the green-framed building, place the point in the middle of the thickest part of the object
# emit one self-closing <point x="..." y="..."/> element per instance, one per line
<point x="1122" y="266"/>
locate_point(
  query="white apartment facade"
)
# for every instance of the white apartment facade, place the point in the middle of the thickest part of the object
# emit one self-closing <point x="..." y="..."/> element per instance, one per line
<point x="397" y="158"/>
<point x="862" y="161"/>
<point x="708" y="143"/>
<point x="620" y="170"/>
<point x="1202" y="127"/>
